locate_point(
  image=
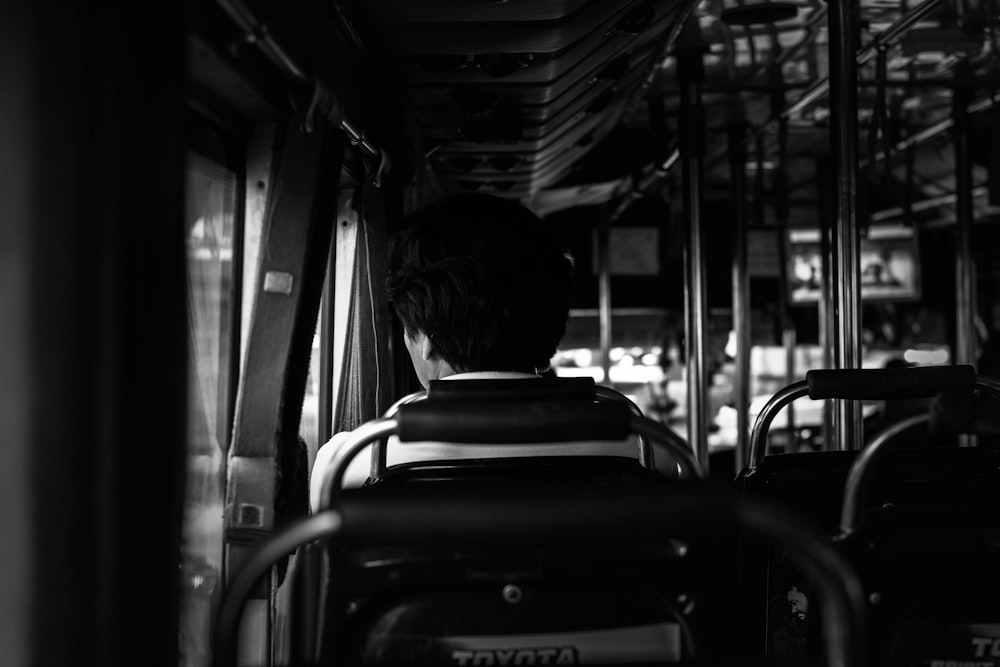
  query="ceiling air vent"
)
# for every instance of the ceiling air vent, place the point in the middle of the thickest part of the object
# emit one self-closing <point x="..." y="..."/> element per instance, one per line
<point x="615" y="69"/>
<point x="600" y="102"/>
<point x="464" y="163"/>
<point x="434" y="62"/>
<point x="637" y="20"/>
<point x="474" y="102"/>
<point x="499" y="65"/>
<point x="499" y="125"/>
<point x="504" y="162"/>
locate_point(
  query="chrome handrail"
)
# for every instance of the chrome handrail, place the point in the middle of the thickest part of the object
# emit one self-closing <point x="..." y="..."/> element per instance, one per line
<point x="758" y="435"/>
<point x="863" y="468"/>
<point x="380" y="448"/>
<point x="646" y="458"/>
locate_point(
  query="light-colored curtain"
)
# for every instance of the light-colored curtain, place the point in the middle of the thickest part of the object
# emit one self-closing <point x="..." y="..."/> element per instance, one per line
<point x="211" y="202"/>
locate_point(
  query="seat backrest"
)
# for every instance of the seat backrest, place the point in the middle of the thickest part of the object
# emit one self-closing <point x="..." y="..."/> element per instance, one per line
<point x="927" y="510"/>
<point x="453" y="604"/>
<point x="598" y="604"/>
<point x="632" y="616"/>
<point x="541" y="411"/>
<point x="817" y="484"/>
<point x="424" y="575"/>
<point x="927" y="552"/>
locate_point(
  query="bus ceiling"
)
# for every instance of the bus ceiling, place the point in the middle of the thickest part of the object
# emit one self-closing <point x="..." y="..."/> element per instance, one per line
<point x="580" y="102"/>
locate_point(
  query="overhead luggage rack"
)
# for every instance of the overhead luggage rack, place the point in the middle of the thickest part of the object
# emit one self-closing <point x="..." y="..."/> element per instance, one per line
<point x="510" y="68"/>
<point x="439" y="11"/>
<point x="541" y="83"/>
<point x="593" y="22"/>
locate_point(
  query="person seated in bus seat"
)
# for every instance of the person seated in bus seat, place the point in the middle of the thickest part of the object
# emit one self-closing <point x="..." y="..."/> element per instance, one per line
<point x="483" y="292"/>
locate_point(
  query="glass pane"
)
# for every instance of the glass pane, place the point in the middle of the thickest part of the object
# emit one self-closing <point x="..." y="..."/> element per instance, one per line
<point x="210" y="214"/>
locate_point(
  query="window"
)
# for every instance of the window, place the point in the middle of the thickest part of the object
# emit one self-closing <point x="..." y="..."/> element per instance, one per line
<point x="212" y="243"/>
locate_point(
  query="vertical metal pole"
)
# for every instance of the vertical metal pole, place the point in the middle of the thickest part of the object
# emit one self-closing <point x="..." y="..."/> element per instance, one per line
<point x="827" y="301"/>
<point x="843" y="41"/>
<point x="741" y="292"/>
<point x="758" y="181"/>
<point x="789" y="341"/>
<point x="604" y="297"/>
<point x="965" y="270"/>
<point x="691" y="72"/>
<point x="788" y="338"/>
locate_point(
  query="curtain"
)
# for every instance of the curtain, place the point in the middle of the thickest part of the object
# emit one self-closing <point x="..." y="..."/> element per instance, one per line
<point x="364" y="384"/>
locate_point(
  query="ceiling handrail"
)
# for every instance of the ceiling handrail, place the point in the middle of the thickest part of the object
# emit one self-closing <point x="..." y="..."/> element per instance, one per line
<point x="883" y="40"/>
<point x="936" y="129"/>
<point x="257" y="32"/>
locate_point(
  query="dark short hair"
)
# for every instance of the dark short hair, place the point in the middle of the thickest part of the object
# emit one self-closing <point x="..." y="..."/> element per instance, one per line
<point x="484" y="280"/>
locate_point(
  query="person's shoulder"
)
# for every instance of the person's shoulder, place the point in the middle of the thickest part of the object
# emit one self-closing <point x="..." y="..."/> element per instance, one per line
<point x="336" y="439"/>
<point x="324" y="455"/>
<point x="326" y="451"/>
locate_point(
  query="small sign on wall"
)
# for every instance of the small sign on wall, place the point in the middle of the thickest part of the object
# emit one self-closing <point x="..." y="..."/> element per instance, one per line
<point x="762" y="253"/>
<point x="632" y="251"/>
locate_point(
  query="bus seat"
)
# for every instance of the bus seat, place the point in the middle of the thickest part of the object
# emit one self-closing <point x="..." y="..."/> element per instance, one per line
<point x="929" y="566"/>
<point x="927" y="552"/>
<point x="924" y="544"/>
<point x="612" y="603"/>
<point x="923" y="515"/>
<point x="602" y="605"/>
<point x="539" y="577"/>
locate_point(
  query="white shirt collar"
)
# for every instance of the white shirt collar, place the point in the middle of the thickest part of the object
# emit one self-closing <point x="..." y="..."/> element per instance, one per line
<point x="491" y="375"/>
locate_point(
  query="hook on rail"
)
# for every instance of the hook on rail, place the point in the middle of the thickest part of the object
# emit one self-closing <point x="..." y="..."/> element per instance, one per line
<point x="325" y="104"/>
<point x="384" y="165"/>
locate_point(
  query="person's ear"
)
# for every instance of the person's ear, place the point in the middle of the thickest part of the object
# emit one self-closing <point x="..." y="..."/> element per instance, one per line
<point x="427" y="350"/>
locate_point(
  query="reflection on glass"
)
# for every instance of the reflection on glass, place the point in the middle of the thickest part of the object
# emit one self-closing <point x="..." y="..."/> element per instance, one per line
<point x="211" y="203"/>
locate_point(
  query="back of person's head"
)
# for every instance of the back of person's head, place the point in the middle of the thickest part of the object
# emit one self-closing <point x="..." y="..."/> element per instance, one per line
<point x="481" y="277"/>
